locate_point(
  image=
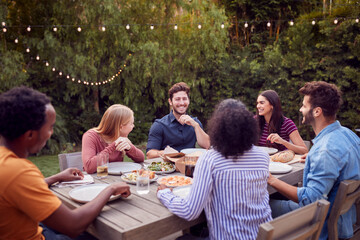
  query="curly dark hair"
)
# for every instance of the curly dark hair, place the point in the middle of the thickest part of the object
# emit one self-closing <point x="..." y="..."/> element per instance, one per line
<point x="21" y="109"/>
<point x="232" y="128"/>
<point x="177" y="87"/>
<point x="324" y="95"/>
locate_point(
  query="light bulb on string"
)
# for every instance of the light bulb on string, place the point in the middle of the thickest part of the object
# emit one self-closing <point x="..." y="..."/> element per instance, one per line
<point x="222" y="25"/>
<point x="152" y="27"/>
<point x="92" y="84"/>
<point x="103" y="28"/>
<point x="37" y="57"/>
<point x="199" y="26"/>
<point x="54" y="28"/>
<point x="53" y="69"/>
<point x="175" y="27"/>
<point x="28" y="29"/>
<point x="79" y="81"/>
<point x="3" y="24"/>
<point x="73" y="79"/>
<point x="336" y="21"/>
<point x="67" y="76"/>
<point x="246" y="25"/>
<point x="357" y="20"/>
<point x="268" y="24"/>
<point x="60" y="73"/>
<point x="79" y="29"/>
<point x="27" y="50"/>
<point x="16" y="40"/>
<point x="313" y="22"/>
<point x="127" y="26"/>
<point x="46" y="64"/>
<point x="4" y="29"/>
<point x="291" y="23"/>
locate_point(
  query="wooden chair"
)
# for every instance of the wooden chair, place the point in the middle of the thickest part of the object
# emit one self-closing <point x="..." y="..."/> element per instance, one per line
<point x="67" y="160"/>
<point x="307" y="144"/>
<point x="302" y="223"/>
<point x="347" y="195"/>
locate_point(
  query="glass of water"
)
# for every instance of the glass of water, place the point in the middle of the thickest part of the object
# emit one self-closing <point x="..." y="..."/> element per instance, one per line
<point x="143" y="184"/>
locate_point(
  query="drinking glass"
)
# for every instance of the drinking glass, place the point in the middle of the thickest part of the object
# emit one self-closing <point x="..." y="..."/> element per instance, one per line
<point x="190" y="162"/>
<point x="102" y="163"/>
<point x="143" y="184"/>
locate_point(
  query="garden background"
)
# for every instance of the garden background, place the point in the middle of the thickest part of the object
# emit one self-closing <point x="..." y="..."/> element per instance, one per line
<point x="88" y="55"/>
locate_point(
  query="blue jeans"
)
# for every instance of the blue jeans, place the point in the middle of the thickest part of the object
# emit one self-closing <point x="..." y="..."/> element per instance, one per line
<point x="51" y="234"/>
<point x="280" y="207"/>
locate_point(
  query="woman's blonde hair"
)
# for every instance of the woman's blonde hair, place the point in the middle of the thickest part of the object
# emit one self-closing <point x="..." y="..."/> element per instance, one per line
<point x="114" y="117"/>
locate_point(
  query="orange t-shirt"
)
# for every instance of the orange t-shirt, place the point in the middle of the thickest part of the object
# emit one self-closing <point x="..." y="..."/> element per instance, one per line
<point x="25" y="198"/>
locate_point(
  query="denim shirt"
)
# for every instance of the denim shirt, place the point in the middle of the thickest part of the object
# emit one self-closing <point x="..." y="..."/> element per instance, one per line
<point x="334" y="157"/>
<point x="168" y="131"/>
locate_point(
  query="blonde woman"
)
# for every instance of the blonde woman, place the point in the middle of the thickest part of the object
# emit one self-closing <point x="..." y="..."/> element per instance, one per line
<point x="111" y="136"/>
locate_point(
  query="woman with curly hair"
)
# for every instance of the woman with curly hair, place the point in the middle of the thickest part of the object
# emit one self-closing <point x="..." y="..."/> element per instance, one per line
<point x="276" y="130"/>
<point x="111" y="136"/>
<point x="230" y="180"/>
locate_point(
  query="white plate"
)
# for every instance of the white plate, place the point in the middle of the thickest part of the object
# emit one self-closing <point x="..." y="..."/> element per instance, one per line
<point x="182" y="191"/>
<point x="161" y="172"/>
<point x="269" y="150"/>
<point x="116" y="168"/>
<point x="191" y="150"/>
<point x="123" y="177"/>
<point x="84" y="194"/>
<point x="277" y="167"/>
<point x="175" y="183"/>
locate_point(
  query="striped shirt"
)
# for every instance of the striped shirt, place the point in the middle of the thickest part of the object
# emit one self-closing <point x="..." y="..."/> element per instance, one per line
<point x="286" y="129"/>
<point x="233" y="193"/>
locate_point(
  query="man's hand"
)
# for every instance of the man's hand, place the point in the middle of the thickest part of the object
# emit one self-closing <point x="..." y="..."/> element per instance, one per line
<point x="121" y="188"/>
<point x="70" y="174"/>
<point x="186" y="119"/>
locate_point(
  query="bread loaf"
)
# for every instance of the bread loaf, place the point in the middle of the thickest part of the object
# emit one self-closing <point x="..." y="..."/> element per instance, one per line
<point x="283" y="156"/>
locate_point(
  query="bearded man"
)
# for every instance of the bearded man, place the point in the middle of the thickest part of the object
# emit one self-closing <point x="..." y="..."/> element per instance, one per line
<point x="177" y="129"/>
<point x="334" y="157"/>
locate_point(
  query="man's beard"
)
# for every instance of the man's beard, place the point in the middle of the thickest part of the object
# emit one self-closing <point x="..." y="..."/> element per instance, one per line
<point x="308" y="118"/>
<point x="178" y="113"/>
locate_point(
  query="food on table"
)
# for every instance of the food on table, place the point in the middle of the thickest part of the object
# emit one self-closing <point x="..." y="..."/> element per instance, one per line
<point x="161" y="166"/>
<point x="175" y="181"/>
<point x="135" y="173"/>
<point x="283" y="156"/>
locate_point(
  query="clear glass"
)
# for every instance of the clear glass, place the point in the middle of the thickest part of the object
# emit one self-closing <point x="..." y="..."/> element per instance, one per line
<point x="102" y="163"/>
<point x="143" y="184"/>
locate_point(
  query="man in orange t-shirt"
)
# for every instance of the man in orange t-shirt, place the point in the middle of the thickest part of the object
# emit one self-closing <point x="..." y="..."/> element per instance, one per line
<point x="26" y="123"/>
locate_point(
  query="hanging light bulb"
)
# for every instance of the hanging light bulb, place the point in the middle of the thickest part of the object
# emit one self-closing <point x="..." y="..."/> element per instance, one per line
<point x="175" y="27"/>
<point x="27" y="50"/>
<point x="291" y="23"/>
<point x="152" y="27"/>
<point x="3" y="24"/>
<point x="199" y="26"/>
<point x="53" y="69"/>
<point x="4" y="29"/>
<point x="37" y="57"/>
<point x="79" y="29"/>
<point x="16" y="40"/>
<point x="357" y="20"/>
<point x="28" y="29"/>
<point x="60" y="73"/>
<point x="268" y="24"/>
<point x="79" y="81"/>
<point x="92" y="84"/>
<point x="222" y="25"/>
<point x="313" y="22"/>
<point x="67" y="76"/>
<point x="246" y="25"/>
<point x="54" y="28"/>
<point x="336" y="21"/>
<point x="73" y="79"/>
<point x="46" y="64"/>
<point x="127" y="26"/>
<point x="103" y="28"/>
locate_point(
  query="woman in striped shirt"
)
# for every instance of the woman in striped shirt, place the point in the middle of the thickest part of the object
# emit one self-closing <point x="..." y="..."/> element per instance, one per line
<point x="230" y="180"/>
<point x="276" y="130"/>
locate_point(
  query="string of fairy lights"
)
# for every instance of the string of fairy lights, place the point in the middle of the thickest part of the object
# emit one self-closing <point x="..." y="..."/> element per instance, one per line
<point x="175" y="26"/>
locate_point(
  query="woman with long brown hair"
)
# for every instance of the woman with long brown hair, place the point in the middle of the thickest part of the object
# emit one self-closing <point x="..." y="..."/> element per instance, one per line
<point x="111" y="136"/>
<point x="276" y="130"/>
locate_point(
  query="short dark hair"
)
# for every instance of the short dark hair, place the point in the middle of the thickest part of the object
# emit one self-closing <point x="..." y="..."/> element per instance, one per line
<point x="232" y="128"/>
<point x="21" y="109"/>
<point x="324" y="95"/>
<point x="177" y="87"/>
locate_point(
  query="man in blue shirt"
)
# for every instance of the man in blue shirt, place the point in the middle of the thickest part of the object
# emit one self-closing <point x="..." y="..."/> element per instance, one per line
<point x="334" y="157"/>
<point x="177" y="129"/>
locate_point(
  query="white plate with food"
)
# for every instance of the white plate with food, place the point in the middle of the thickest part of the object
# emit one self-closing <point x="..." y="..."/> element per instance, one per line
<point x="194" y="150"/>
<point x="175" y="181"/>
<point x="269" y="150"/>
<point x="161" y="167"/>
<point x="278" y="168"/>
<point x="84" y="194"/>
<point x="182" y="192"/>
<point x="118" y="168"/>
<point x="131" y="177"/>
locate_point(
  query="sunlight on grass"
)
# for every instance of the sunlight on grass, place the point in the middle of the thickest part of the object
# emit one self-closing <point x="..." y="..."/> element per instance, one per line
<point x="48" y="164"/>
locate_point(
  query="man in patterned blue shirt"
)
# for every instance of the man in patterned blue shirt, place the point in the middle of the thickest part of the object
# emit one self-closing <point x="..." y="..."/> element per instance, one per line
<point x="334" y="157"/>
<point x="177" y="129"/>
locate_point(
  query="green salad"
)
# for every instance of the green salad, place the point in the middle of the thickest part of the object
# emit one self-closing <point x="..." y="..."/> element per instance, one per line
<point x="161" y="166"/>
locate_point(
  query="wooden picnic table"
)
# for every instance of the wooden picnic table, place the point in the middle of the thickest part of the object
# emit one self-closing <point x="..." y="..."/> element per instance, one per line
<point x="143" y="216"/>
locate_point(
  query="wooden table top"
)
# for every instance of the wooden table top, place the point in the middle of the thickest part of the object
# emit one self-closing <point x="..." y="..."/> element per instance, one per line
<point x="143" y="216"/>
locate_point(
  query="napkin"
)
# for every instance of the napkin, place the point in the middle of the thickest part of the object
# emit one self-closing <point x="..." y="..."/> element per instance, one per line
<point x="88" y="179"/>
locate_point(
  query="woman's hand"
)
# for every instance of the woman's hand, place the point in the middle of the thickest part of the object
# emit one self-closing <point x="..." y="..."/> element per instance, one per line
<point x="123" y="144"/>
<point x="271" y="179"/>
<point x="162" y="187"/>
<point x="275" y="138"/>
